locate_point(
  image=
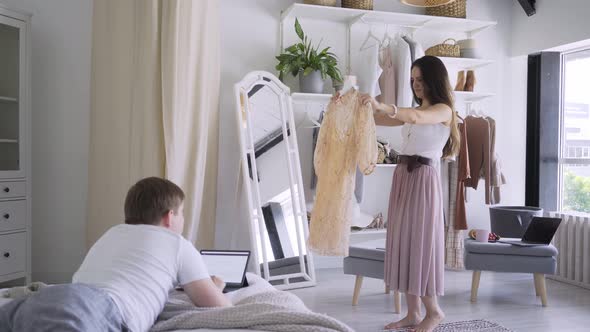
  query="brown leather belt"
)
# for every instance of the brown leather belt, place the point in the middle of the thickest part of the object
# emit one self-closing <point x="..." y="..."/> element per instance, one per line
<point x="414" y="162"/>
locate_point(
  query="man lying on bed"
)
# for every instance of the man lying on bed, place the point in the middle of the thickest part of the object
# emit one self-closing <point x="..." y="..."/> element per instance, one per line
<point x="124" y="280"/>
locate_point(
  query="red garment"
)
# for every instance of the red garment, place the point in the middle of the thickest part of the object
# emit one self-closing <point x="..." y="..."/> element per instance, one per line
<point x="464" y="174"/>
<point x="479" y="144"/>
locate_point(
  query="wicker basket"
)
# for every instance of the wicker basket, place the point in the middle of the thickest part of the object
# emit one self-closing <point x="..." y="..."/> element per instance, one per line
<point x="456" y="8"/>
<point x="331" y="3"/>
<point x="444" y="49"/>
<point x="358" y="4"/>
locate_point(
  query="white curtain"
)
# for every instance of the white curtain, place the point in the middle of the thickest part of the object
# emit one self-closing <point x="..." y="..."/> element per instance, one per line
<point x="154" y="112"/>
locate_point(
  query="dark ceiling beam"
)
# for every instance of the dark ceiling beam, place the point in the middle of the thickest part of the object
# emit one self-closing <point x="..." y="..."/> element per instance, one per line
<point x="528" y="6"/>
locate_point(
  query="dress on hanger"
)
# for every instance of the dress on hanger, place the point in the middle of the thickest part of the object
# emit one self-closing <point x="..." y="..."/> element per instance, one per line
<point x="414" y="256"/>
<point x="359" y="180"/>
<point x="367" y="70"/>
<point x="416" y="52"/>
<point x="458" y="173"/>
<point x="346" y="140"/>
<point x="497" y="178"/>
<point x="402" y="63"/>
<point x="478" y="131"/>
<point x="387" y="78"/>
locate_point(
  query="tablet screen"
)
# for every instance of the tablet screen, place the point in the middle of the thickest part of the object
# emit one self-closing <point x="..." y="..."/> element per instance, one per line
<point x="230" y="266"/>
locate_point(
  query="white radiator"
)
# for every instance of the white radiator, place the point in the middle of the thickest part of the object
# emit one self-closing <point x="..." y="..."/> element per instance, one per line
<point x="573" y="242"/>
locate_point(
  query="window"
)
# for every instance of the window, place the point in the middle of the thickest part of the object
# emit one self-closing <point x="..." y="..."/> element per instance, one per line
<point x="574" y="152"/>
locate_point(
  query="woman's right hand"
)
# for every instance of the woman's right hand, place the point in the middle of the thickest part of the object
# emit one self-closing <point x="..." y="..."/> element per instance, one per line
<point x="367" y="99"/>
<point x="335" y="97"/>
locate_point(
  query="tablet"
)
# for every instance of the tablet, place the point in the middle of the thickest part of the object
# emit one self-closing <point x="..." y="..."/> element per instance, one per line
<point x="229" y="265"/>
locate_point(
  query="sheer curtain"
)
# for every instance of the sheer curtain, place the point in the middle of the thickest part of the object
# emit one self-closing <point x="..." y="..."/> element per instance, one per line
<point x="154" y="107"/>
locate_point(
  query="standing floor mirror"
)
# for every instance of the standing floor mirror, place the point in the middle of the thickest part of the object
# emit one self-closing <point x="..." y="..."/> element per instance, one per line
<point x="271" y="173"/>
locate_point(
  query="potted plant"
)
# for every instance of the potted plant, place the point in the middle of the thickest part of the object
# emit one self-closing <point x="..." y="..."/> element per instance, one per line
<point x="312" y="66"/>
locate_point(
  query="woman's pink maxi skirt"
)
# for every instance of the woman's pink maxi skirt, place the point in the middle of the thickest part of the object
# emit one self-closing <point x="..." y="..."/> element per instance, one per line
<point x="414" y="257"/>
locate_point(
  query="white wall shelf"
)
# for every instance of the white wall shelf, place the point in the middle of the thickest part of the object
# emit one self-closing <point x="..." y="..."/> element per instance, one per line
<point x="469" y="97"/>
<point x="352" y="16"/>
<point x="8" y="140"/>
<point x="302" y="98"/>
<point x="465" y="63"/>
<point x="368" y="231"/>
<point x="8" y="99"/>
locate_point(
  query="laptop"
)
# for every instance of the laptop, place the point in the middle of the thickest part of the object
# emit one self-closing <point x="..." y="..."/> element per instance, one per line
<point x="540" y="232"/>
<point x="229" y="265"/>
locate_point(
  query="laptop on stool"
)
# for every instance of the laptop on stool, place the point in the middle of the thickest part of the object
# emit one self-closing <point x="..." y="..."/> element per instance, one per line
<point x="540" y="232"/>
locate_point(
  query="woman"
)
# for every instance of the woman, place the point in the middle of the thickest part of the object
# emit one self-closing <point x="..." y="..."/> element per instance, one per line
<point x="414" y="258"/>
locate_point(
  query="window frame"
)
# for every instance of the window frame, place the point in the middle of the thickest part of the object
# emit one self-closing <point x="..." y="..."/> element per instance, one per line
<point x="563" y="160"/>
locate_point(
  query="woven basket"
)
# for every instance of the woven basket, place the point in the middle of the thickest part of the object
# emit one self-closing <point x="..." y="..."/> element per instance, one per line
<point x="448" y="50"/>
<point x="331" y="3"/>
<point x="456" y="8"/>
<point x="358" y="4"/>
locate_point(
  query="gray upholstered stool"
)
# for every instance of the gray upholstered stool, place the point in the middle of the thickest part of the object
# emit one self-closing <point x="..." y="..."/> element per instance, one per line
<point x="501" y="257"/>
<point x="365" y="259"/>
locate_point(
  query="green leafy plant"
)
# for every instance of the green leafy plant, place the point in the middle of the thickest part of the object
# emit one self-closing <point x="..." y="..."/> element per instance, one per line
<point x="576" y="193"/>
<point x="303" y="58"/>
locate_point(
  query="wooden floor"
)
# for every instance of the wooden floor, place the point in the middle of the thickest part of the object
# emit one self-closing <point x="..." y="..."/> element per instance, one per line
<point x="505" y="298"/>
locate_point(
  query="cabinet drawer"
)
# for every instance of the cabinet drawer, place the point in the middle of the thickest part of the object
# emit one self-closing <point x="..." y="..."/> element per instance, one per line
<point x="13" y="215"/>
<point x="13" y="250"/>
<point x="12" y="189"/>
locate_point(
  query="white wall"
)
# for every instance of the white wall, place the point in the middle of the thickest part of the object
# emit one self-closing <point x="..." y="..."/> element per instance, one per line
<point x="555" y="23"/>
<point x="61" y="41"/>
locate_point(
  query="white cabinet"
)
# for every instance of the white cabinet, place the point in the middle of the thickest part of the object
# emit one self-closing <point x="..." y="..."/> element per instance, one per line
<point x="15" y="146"/>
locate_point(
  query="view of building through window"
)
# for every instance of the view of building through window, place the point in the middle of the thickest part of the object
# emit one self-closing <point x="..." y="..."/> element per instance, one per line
<point x="575" y="139"/>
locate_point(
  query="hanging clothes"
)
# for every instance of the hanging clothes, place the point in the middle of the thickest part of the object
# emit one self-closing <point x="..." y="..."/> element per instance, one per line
<point x="387" y="78"/>
<point x="454" y="250"/>
<point x="359" y="179"/>
<point x="346" y="140"/>
<point x="479" y="145"/>
<point x="416" y="52"/>
<point x="497" y="178"/>
<point x="314" y="140"/>
<point x="459" y="221"/>
<point x="368" y="70"/>
<point x="402" y="63"/>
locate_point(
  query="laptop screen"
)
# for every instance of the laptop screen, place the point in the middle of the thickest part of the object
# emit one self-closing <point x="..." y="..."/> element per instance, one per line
<point x="541" y="230"/>
<point x="229" y="265"/>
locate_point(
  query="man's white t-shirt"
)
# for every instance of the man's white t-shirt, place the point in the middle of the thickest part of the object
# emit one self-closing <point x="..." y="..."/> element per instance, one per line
<point x="137" y="265"/>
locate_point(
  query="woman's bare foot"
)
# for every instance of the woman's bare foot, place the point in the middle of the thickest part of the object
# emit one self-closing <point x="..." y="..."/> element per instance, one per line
<point x="430" y="322"/>
<point x="408" y="321"/>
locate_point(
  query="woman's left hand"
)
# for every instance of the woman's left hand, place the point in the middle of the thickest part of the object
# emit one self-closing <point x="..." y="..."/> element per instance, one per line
<point x="367" y="99"/>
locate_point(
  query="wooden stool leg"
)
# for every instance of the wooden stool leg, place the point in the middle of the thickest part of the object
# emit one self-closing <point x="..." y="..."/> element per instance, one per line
<point x="397" y="300"/>
<point x="537" y="293"/>
<point x="475" y="285"/>
<point x="387" y="289"/>
<point x="357" y="289"/>
<point x="540" y="281"/>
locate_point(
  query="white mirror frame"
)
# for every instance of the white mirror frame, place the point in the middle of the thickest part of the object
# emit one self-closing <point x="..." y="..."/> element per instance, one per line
<point x="241" y="89"/>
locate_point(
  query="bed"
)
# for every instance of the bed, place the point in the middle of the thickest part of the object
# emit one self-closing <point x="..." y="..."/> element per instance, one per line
<point x="260" y="307"/>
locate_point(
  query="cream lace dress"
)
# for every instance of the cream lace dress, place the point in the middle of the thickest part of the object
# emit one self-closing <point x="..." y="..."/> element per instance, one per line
<point x="346" y="139"/>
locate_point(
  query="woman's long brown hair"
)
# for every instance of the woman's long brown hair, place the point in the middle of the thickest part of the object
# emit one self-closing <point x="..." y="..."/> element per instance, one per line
<point x="438" y="89"/>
